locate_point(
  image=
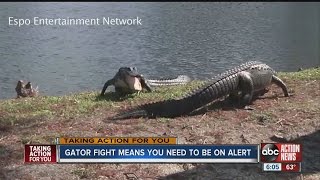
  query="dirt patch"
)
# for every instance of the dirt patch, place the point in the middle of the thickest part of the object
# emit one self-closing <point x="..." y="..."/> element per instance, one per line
<point x="274" y="118"/>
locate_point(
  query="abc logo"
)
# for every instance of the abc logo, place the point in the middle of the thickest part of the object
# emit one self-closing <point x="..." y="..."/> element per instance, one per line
<point x="269" y="152"/>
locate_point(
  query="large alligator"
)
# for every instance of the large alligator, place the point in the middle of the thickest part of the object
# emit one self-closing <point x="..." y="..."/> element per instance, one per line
<point x="247" y="81"/>
<point x="127" y="80"/>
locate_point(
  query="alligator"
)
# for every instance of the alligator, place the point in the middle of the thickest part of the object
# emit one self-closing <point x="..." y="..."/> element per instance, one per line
<point x="245" y="81"/>
<point x="127" y="81"/>
<point x="26" y="90"/>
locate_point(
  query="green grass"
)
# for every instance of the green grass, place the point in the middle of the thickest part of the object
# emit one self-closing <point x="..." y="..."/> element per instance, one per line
<point x="85" y="104"/>
<point x="50" y="106"/>
<point x="308" y="74"/>
<point x="80" y="104"/>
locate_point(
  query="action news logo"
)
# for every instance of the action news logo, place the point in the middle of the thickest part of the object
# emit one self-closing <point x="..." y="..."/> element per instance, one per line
<point x="269" y="152"/>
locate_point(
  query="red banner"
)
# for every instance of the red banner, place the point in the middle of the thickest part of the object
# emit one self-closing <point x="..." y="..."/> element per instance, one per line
<point x="281" y="152"/>
<point x="40" y="153"/>
<point x="291" y="167"/>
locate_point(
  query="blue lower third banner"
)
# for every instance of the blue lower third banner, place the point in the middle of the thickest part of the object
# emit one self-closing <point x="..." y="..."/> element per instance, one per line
<point x="158" y="153"/>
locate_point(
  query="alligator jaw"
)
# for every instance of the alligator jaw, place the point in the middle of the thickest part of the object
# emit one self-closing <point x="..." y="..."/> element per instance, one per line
<point x="133" y="83"/>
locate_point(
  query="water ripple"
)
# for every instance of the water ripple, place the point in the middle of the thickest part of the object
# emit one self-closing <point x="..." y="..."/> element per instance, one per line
<point x="197" y="39"/>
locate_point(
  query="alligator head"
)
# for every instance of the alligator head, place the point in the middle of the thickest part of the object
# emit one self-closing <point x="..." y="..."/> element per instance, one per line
<point x="128" y="78"/>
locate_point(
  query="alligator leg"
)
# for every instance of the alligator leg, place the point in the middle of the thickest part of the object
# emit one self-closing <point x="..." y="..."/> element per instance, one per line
<point x="235" y="96"/>
<point x="281" y="84"/>
<point x="246" y="87"/>
<point x="121" y="91"/>
<point x="108" y="83"/>
<point x="145" y="84"/>
<point x="261" y="92"/>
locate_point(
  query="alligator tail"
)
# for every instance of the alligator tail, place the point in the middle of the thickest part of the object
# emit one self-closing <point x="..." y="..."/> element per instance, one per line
<point x="168" y="108"/>
<point x="181" y="79"/>
<point x="131" y="114"/>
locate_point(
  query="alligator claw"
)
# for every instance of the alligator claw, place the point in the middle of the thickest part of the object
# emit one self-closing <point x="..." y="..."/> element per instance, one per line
<point x="248" y="108"/>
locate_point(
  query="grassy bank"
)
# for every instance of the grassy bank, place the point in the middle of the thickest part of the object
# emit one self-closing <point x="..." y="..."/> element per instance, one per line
<point x="84" y="104"/>
<point x="41" y="119"/>
<point x="81" y="104"/>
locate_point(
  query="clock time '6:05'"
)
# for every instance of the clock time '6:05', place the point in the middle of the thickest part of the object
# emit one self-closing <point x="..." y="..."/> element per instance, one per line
<point x="271" y="166"/>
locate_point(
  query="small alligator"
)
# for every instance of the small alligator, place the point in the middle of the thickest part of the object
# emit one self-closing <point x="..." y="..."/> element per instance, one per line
<point x="26" y="90"/>
<point x="128" y="80"/>
<point x="249" y="79"/>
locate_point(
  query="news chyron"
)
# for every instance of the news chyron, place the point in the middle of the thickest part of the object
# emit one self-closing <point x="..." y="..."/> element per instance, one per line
<point x="284" y="157"/>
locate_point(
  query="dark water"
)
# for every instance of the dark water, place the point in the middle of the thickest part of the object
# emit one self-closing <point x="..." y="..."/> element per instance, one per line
<point x="197" y="39"/>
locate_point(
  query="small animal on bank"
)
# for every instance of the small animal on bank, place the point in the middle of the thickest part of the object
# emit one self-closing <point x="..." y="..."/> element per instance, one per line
<point x="26" y="90"/>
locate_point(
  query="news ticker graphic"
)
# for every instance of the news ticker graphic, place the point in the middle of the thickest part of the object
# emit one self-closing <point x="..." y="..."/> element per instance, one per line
<point x="118" y="140"/>
<point x="158" y="154"/>
<point x="281" y="152"/>
<point x="141" y="153"/>
<point x="285" y="157"/>
<point x="282" y="167"/>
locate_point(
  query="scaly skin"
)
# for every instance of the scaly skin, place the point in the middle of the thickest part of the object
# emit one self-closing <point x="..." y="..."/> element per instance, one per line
<point x="251" y="79"/>
<point x="181" y="79"/>
<point x="128" y="80"/>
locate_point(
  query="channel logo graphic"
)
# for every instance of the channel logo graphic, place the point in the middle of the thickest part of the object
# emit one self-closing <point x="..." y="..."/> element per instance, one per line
<point x="280" y="152"/>
<point x="269" y="152"/>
